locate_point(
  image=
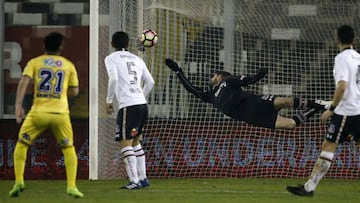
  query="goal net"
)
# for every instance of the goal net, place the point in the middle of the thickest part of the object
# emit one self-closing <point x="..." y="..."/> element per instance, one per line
<point x="184" y="137"/>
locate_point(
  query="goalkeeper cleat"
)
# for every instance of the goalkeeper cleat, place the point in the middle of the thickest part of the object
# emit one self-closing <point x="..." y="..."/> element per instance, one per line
<point x="299" y="190"/>
<point x="145" y="183"/>
<point x="15" y="191"/>
<point x="132" y="186"/>
<point x="74" y="192"/>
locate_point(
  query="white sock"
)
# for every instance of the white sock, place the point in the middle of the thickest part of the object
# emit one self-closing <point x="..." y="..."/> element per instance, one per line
<point x="322" y="165"/>
<point x="140" y="158"/>
<point x="129" y="159"/>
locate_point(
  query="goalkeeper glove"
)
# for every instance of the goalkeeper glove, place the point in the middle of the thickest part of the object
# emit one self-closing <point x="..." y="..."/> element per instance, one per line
<point x="172" y="65"/>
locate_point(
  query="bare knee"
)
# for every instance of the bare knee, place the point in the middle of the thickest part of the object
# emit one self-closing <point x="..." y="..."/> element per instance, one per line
<point x="329" y="146"/>
<point x="285" y="123"/>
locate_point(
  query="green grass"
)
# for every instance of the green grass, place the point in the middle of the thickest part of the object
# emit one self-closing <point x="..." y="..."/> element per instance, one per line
<point x="186" y="191"/>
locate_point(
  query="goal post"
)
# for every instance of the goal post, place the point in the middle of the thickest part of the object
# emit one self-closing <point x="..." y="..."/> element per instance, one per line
<point x="184" y="137"/>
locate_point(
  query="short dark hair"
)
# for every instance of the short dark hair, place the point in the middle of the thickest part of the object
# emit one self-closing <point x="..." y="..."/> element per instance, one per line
<point x="223" y="74"/>
<point x="120" y="40"/>
<point x="346" y="34"/>
<point x="53" y="41"/>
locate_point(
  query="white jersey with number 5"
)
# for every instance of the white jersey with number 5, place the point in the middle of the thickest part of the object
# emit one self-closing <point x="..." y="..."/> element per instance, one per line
<point x="347" y="68"/>
<point x="126" y="72"/>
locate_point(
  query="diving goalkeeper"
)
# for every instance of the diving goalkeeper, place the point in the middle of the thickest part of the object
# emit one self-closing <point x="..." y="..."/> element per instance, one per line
<point x="228" y="96"/>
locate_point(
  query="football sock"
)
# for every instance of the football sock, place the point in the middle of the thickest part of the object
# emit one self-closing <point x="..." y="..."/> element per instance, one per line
<point x="71" y="163"/>
<point x="140" y="161"/>
<point x="300" y="103"/>
<point x="322" y="165"/>
<point x="20" y="154"/>
<point x="315" y="104"/>
<point x="303" y="116"/>
<point x="129" y="159"/>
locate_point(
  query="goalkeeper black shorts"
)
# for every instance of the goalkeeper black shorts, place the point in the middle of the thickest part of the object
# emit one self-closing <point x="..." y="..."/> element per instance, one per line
<point x="258" y="111"/>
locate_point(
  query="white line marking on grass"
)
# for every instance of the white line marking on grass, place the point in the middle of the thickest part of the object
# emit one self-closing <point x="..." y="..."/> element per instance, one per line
<point x="218" y="191"/>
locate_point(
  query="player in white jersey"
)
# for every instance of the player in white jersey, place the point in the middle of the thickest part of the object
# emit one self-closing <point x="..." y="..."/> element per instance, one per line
<point x="126" y="72"/>
<point x="344" y="112"/>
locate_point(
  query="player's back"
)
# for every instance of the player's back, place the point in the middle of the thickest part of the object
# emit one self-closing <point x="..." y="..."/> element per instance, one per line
<point x="347" y="65"/>
<point x="52" y="76"/>
<point x="130" y="70"/>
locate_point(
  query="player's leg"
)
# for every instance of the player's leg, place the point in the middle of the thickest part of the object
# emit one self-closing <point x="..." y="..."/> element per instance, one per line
<point x="125" y="135"/>
<point x="29" y="131"/>
<point x="142" y="112"/>
<point x="322" y="165"/>
<point x="296" y="120"/>
<point x="62" y="129"/>
<point x="337" y="132"/>
<point x="284" y="123"/>
<point x="140" y="162"/>
<point x="300" y="103"/>
<point x="320" y="168"/>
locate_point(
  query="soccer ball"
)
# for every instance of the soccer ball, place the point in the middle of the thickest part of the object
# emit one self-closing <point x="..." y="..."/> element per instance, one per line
<point x="148" y="38"/>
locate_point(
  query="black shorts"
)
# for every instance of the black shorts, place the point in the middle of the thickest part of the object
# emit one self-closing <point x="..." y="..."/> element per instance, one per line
<point x="130" y="121"/>
<point x="343" y="128"/>
<point x="259" y="111"/>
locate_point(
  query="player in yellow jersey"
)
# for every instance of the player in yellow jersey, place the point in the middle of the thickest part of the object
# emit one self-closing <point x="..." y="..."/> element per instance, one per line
<point x="55" y="79"/>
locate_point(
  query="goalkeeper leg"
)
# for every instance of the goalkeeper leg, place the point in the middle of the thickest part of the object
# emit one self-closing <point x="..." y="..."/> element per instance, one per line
<point x="300" y="103"/>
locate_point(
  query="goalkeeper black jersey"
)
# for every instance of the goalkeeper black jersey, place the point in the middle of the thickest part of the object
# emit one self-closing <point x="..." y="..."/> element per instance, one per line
<point x="227" y="97"/>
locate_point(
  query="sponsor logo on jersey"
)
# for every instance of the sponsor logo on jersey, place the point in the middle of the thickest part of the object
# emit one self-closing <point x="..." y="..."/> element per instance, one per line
<point x="52" y="62"/>
<point x="221" y="86"/>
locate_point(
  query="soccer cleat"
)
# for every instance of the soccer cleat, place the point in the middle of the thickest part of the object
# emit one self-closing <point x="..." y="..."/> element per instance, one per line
<point x="74" y="192"/>
<point x="299" y="190"/>
<point x="132" y="186"/>
<point x="145" y="183"/>
<point x="322" y="105"/>
<point x="17" y="188"/>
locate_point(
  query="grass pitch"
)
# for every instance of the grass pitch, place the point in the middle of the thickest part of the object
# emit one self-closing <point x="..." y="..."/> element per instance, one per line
<point x="185" y="191"/>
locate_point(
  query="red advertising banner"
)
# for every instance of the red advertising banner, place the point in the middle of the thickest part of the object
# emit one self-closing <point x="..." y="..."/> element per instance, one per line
<point x="203" y="149"/>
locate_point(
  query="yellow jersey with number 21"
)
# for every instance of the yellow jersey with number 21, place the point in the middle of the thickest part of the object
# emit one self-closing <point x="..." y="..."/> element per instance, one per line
<point x="52" y="76"/>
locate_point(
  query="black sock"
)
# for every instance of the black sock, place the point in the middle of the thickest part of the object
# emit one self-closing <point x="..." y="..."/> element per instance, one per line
<point x="303" y="116"/>
<point x="300" y="103"/>
<point x="296" y="103"/>
<point x="299" y="118"/>
<point x="315" y="105"/>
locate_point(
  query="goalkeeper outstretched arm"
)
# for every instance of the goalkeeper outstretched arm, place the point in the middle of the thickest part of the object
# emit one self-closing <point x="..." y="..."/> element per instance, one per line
<point x="198" y="92"/>
<point x="238" y="81"/>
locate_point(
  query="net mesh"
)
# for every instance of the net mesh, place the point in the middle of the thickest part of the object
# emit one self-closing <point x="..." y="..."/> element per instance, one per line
<point x="185" y="137"/>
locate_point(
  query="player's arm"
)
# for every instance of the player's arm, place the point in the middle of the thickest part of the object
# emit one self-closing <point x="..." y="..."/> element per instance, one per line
<point x="148" y="82"/>
<point x="341" y="73"/>
<point x="20" y="94"/>
<point x="200" y="93"/>
<point x="338" y="95"/>
<point x="339" y="92"/>
<point x="73" y="91"/>
<point x="247" y="80"/>
<point x="112" y="80"/>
